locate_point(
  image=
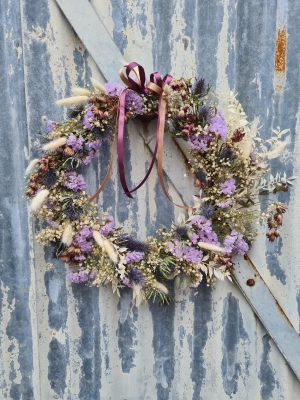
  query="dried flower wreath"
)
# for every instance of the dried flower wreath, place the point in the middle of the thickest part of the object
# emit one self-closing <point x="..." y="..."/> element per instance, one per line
<point x="226" y="152"/>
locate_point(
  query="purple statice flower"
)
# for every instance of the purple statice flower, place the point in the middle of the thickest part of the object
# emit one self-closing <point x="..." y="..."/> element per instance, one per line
<point x="74" y="181"/>
<point x="207" y="211"/>
<point x="194" y="238"/>
<point x="175" y="248"/>
<point x="113" y="88"/>
<point x="235" y="242"/>
<point x="87" y="116"/>
<point x="92" y="154"/>
<point x="94" y="145"/>
<point x="83" y="275"/>
<point x="209" y="237"/>
<point x="201" y="222"/>
<point x="190" y="254"/>
<point x="228" y="186"/>
<point x="50" y="125"/>
<point x="52" y="223"/>
<point x="224" y="203"/>
<point x="218" y="125"/>
<point x="75" y="143"/>
<point x="197" y="143"/>
<point x="109" y="224"/>
<point x="133" y="102"/>
<point x="82" y="239"/>
<point x="134" y="256"/>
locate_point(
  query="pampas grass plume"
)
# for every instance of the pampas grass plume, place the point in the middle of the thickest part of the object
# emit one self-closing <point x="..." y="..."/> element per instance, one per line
<point x="55" y="144"/>
<point x="161" y="287"/>
<point x="110" y="251"/>
<point x="31" y="165"/>
<point x="246" y="147"/>
<point x="81" y="91"/>
<point x="67" y="236"/>
<point x="39" y="199"/>
<point x="97" y="85"/>
<point x="72" y="101"/>
<point x="98" y="238"/>
<point x="211" y="247"/>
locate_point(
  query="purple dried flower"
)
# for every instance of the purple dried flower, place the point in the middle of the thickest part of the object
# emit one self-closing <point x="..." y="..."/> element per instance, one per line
<point x="82" y="237"/>
<point x="72" y="211"/>
<point x="235" y="242"/>
<point x="182" y="231"/>
<point x="113" y="88"/>
<point x="52" y="223"/>
<point x="188" y="253"/>
<point x="133" y="102"/>
<point x="200" y="87"/>
<point x="75" y="143"/>
<point x="209" y="237"/>
<point x="83" y="275"/>
<point x="136" y="277"/>
<point x="94" y="145"/>
<point x="49" y="178"/>
<point x="92" y="154"/>
<point x="107" y="228"/>
<point x="134" y="256"/>
<point x="227" y="153"/>
<point x="228" y="186"/>
<point x="50" y="125"/>
<point x="224" y="203"/>
<point x="203" y="114"/>
<point x="74" y="181"/>
<point x="198" y="143"/>
<point x="218" y="125"/>
<point x="133" y="244"/>
<point x="207" y="211"/>
<point x="87" y="116"/>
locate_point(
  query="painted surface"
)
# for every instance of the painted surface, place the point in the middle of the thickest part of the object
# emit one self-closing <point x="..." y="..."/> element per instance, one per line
<point x="62" y="341"/>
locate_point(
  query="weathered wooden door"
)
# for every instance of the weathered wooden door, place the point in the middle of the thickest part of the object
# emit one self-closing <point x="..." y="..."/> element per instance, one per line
<point x="73" y="342"/>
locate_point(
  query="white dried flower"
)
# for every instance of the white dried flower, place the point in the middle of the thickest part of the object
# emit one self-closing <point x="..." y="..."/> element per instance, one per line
<point x="81" y="91"/>
<point x="55" y="144"/>
<point x="110" y="251"/>
<point x="31" y="165"/>
<point x="72" y="101"/>
<point x="279" y="149"/>
<point x="161" y="287"/>
<point x="167" y="89"/>
<point x="98" y="238"/>
<point x="97" y="85"/>
<point x="246" y="147"/>
<point x="39" y="199"/>
<point x="67" y="236"/>
<point x="211" y="247"/>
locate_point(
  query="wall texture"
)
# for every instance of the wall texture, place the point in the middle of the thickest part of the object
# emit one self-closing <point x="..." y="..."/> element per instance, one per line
<point x="62" y="341"/>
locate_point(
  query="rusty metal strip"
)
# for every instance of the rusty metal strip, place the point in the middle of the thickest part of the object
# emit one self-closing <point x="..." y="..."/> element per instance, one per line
<point x="268" y="310"/>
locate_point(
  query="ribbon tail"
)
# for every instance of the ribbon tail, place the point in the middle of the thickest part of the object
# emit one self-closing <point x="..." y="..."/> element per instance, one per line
<point x="120" y="144"/>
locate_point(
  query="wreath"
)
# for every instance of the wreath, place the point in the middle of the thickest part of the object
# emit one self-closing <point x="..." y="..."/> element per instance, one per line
<point x="225" y="151"/>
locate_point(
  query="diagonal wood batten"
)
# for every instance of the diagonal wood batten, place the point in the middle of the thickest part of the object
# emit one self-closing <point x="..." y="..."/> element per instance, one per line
<point x="64" y="341"/>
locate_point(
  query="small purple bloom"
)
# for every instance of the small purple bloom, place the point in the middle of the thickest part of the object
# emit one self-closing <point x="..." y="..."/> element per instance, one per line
<point x="218" y="125"/>
<point x="92" y="154"/>
<point x="52" y="223"/>
<point x="207" y="211"/>
<point x="192" y="255"/>
<point x="87" y="116"/>
<point x="75" y="143"/>
<point x="133" y="102"/>
<point x="209" y="237"/>
<point x="228" y="186"/>
<point x="224" y="203"/>
<point x="235" y="242"/>
<point x="109" y="224"/>
<point x="94" y="145"/>
<point x="83" y="275"/>
<point x="74" y="181"/>
<point x="82" y="237"/>
<point x="197" y="143"/>
<point x="136" y="277"/>
<point x="113" y="88"/>
<point x="50" y="125"/>
<point x="134" y="256"/>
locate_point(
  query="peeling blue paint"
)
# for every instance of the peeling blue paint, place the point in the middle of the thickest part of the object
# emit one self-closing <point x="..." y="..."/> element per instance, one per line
<point x="273" y="264"/>
<point x="126" y="332"/>
<point x="233" y="332"/>
<point x="202" y="316"/>
<point x="189" y="11"/>
<point x="120" y="17"/>
<point x="266" y="372"/>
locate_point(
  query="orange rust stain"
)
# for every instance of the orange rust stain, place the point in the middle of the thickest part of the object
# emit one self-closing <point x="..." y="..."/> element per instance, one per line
<point x="280" y="50"/>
